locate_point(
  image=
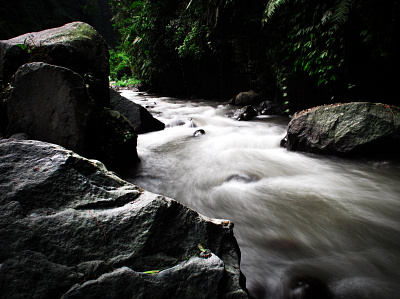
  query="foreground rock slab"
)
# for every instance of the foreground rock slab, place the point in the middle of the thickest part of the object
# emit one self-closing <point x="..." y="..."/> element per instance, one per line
<point x="360" y="127"/>
<point x="71" y="229"/>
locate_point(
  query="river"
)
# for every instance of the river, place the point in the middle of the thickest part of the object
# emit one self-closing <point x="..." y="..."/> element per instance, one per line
<point x="295" y="214"/>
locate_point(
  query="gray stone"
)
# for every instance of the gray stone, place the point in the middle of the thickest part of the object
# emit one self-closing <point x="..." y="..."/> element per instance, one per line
<point x="246" y="98"/>
<point x="245" y="113"/>
<point x="345" y="128"/>
<point x="138" y="116"/>
<point x="71" y="229"/>
<point x="194" y="278"/>
<point x="77" y="46"/>
<point x="270" y="108"/>
<point x="51" y="103"/>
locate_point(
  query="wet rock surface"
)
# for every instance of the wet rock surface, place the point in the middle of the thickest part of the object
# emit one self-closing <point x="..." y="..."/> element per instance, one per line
<point x="71" y="229"/>
<point x="139" y="117"/>
<point x="360" y="127"/>
<point x="50" y="103"/>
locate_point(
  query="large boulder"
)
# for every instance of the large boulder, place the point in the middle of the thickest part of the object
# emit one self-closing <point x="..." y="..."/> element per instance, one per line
<point x="345" y="128"/>
<point x="50" y="103"/>
<point x="139" y="117"/>
<point x="71" y="229"/>
<point x="246" y="98"/>
<point x="77" y="46"/>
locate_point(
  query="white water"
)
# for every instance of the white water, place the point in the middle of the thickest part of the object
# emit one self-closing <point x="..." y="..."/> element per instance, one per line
<point x="295" y="214"/>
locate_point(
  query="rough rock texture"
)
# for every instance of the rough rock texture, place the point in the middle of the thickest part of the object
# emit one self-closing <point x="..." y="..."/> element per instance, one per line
<point x="24" y="16"/>
<point x="51" y="103"/>
<point x="77" y="46"/>
<point x="246" y="98"/>
<point x="139" y="117"/>
<point x="270" y="108"/>
<point x="245" y="113"/>
<point x="71" y="229"/>
<point x="345" y="128"/>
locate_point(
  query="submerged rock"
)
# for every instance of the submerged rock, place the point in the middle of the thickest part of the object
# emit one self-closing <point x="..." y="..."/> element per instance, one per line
<point x="307" y="287"/>
<point x="245" y="113"/>
<point x="71" y="229"/>
<point x="270" y="108"/>
<point x="345" y="128"/>
<point x="199" y="132"/>
<point x="242" y="178"/>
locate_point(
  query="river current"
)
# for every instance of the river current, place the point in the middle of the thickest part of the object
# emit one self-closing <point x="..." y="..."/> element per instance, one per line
<point x="295" y="214"/>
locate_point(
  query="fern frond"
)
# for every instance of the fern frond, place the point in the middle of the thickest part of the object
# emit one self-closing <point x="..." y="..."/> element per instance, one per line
<point x="341" y="12"/>
<point x="272" y="6"/>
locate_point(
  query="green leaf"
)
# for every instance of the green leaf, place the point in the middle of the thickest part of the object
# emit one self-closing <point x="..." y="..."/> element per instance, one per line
<point x="201" y="248"/>
<point x="22" y="46"/>
<point x="152" y="272"/>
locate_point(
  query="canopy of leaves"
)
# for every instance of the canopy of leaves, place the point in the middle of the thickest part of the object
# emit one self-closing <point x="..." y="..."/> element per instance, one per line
<point x="322" y="50"/>
<point x="334" y="48"/>
<point x="196" y="46"/>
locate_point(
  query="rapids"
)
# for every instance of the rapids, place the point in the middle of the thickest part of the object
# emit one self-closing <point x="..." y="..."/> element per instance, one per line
<point x="295" y="214"/>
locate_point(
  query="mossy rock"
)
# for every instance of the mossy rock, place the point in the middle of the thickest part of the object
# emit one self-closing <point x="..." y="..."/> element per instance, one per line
<point x="360" y="127"/>
<point x="76" y="46"/>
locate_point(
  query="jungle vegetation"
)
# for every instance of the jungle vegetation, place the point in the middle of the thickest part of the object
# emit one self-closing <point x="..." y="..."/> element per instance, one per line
<point x="305" y="51"/>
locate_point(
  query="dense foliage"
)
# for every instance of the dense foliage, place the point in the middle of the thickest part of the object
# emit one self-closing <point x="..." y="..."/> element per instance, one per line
<point x="335" y="50"/>
<point x="309" y="52"/>
<point x="193" y="47"/>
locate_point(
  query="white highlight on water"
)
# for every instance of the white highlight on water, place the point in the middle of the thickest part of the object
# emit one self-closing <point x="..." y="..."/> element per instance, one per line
<point x="294" y="213"/>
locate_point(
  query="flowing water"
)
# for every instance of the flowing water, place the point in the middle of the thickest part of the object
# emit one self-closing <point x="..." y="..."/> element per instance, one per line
<point x="295" y="214"/>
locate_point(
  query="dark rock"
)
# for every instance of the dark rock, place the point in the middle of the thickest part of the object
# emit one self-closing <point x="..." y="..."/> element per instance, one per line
<point x="37" y="277"/>
<point x="245" y="113"/>
<point x="19" y="136"/>
<point x="307" y="287"/>
<point x="185" y="280"/>
<point x="71" y="229"/>
<point x="345" y="128"/>
<point x="50" y="103"/>
<point x="111" y="139"/>
<point x="144" y="87"/>
<point x="199" y="133"/>
<point x="270" y="108"/>
<point x="76" y="46"/>
<point x="246" y="98"/>
<point x="139" y="117"/>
